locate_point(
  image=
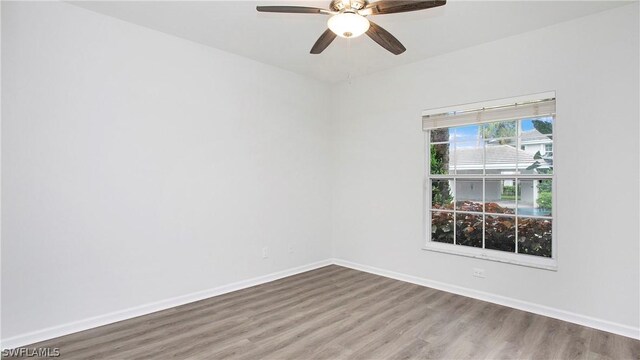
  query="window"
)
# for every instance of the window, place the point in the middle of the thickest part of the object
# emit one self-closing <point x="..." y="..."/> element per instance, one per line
<point x="488" y="187"/>
<point x="548" y="149"/>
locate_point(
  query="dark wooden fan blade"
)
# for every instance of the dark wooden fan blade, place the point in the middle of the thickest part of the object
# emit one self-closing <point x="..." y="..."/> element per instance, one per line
<point x="391" y="7"/>
<point x="323" y="41"/>
<point x="292" y="9"/>
<point x="385" y="39"/>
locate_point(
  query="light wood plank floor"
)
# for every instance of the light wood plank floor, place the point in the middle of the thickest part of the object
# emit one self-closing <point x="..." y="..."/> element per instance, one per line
<point x="339" y="313"/>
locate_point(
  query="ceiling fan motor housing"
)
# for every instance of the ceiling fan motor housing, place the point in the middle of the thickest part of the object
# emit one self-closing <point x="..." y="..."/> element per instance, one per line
<point x="341" y="5"/>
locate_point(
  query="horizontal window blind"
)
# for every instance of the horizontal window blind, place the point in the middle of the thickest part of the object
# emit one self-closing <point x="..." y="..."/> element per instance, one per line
<point x="544" y="107"/>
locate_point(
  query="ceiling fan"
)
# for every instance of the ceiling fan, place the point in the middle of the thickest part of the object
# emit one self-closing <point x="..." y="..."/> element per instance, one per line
<point x="349" y="19"/>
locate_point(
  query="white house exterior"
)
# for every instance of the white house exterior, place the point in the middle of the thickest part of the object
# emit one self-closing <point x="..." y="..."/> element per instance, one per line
<point x="533" y="141"/>
<point x="502" y="159"/>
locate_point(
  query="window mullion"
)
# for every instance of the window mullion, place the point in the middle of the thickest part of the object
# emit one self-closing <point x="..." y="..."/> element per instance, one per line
<point x="483" y="209"/>
<point x="484" y="185"/>
<point x="516" y="181"/>
<point x="455" y="213"/>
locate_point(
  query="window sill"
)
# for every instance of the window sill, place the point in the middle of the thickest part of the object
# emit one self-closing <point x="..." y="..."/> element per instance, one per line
<point x="494" y="255"/>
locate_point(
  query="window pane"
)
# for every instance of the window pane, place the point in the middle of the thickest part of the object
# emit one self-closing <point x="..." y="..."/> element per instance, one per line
<point x="469" y="194"/>
<point x="500" y="233"/>
<point x="440" y="159"/>
<point x="535" y="156"/>
<point x="501" y="156"/>
<point x="469" y="133"/>
<point x="536" y="127"/>
<point x="535" y="197"/>
<point x="536" y="144"/>
<point x="439" y="135"/>
<point x="469" y="229"/>
<point x="469" y="158"/>
<point x="534" y="236"/>
<point x="500" y="196"/>
<point x="499" y="129"/>
<point x="442" y="227"/>
<point x="442" y="194"/>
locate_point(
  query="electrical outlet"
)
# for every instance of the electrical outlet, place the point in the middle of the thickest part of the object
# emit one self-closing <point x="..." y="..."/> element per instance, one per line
<point x="479" y="273"/>
<point x="265" y="252"/>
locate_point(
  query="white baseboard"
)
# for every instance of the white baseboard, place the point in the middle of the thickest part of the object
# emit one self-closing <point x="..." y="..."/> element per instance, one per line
<point x="100" y="320"/>
<point x="584" y="320"/>
<point x="69" y="328"/>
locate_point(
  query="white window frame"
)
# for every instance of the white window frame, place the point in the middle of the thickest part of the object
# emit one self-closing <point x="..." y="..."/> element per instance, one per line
<point x="481" y="253"/>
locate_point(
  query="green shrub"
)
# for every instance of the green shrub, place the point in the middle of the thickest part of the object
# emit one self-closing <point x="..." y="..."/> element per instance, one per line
<point x="544" y="186"/>
<point x="544" y="200"/>
<point x="509" y="190"/>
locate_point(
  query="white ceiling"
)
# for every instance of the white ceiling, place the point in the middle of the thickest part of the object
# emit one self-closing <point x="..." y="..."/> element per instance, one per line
<point x="284" y="40"/>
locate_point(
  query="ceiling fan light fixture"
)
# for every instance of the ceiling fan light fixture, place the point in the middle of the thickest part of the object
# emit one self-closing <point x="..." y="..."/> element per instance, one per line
<point x="348" y="24"/>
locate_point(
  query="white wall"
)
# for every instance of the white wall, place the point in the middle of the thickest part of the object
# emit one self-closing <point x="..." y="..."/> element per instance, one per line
<point x="592" y="64"/>
<point x="138" y="167"/>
